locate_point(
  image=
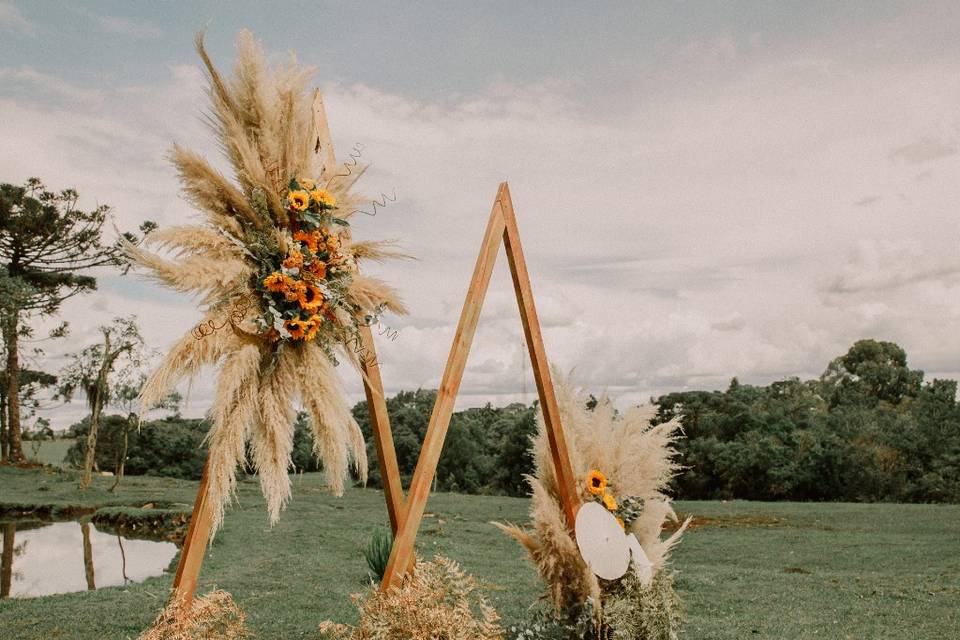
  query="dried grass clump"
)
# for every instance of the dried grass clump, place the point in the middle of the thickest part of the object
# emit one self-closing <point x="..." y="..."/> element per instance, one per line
<point x="437" y="602"/>
<point x="637" y="459"/>
<point x="215" y="616"/>
<point x="263" y="121"/>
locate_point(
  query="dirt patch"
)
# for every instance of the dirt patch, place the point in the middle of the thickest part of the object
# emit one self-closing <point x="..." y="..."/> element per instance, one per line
<point x="745" y="520"/>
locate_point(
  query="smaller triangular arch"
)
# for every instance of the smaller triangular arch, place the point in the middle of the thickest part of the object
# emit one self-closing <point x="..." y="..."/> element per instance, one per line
<point x="501" y="228"/>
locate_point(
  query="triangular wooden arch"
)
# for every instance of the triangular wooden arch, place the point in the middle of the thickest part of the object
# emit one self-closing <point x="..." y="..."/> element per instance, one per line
<point x="501" y="227"/>
<point x="406" y="515"/>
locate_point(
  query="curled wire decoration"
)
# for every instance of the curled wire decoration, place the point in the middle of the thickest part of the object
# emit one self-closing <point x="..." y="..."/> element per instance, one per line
<point x="354" y="160"/>
<point x="237" y="314"/>
<point x="382" y="202"/>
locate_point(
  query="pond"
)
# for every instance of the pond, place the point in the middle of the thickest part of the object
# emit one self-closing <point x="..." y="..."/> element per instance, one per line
<point x="41" y="558"/>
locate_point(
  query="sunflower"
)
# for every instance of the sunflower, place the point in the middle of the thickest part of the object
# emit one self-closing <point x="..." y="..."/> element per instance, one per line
<point x="294" y="260"/>
<point x="596" y="482"/>
<point x="297" y="327"/>
<point x="299" y="200"/>
<point x="315" y="322"/>
<point x="610" y="502"/>
<point x="310" y="297"/>
<point x="276" y="282"/>
<point x="310" y="239"/>
<point x="324" y="198"/>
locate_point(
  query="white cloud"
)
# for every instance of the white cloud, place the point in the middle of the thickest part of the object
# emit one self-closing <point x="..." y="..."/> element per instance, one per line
<point x="13" y="19"/>
<point x="136" y="29"/>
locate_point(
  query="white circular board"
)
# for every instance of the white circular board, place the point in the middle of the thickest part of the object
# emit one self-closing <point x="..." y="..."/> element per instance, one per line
<point x="602" y="542"/>
<point x="641" y="563"/>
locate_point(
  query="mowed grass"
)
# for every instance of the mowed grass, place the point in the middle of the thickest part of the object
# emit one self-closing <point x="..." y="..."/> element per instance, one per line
<point x="49" y="452"/>
<point x="751" y="570"/>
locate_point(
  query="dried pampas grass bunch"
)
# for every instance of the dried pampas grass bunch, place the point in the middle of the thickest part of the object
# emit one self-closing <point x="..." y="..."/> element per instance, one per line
<point x="636" y="459"/>
<point x="215" y="615"/>
<point x="438" y="600"/>
<point x="275" y="267"/>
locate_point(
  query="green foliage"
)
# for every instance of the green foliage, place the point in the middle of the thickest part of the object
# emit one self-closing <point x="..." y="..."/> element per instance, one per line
<point x="377" y="551"/>
<point x="172" y="447"/>
<point x="869" y="429"/>
<point x="487" y="449"/>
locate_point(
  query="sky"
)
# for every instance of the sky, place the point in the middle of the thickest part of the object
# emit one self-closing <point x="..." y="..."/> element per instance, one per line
<point x="704" y="190"/>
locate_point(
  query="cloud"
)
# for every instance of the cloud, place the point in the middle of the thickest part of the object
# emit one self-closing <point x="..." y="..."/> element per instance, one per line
<point x="926" y="149"/>
<point x="13" y="19"/>
<point x="136" y="29"/>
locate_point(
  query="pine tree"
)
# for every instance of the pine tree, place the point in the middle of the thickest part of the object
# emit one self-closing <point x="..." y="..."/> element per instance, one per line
<point x="46" y="245"/>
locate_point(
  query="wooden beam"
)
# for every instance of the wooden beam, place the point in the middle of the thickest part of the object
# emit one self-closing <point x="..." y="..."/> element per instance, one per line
<point x="382" y="434"/>
<point x="323" y="144"/>
<point x="194" y="545"/>
<point x="538" y="359"/>
<point x="403" y="554"/>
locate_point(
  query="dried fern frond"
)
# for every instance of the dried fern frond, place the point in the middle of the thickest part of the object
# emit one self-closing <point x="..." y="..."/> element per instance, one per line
<point x="214" y="615"/>
<point x="438" y="600"/>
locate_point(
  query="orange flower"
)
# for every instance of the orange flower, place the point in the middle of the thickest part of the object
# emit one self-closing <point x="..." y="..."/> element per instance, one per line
<point x="333" y="242"/>
<point x="310" y="297"/>
<point x="324" y="198"/>
<point x="311" y="240"/>
<point x="294" y="260"/>
<point x="297" y="327"/>
<point x="307" y="183"/>
<point x="317" y="269"/>
<point x="299" y="200"/>
<point x="610" y="502"/>
<point x="620" y="522"/>
<point x="596" y="482"/>
<point x="294" y="290"/>
<point x="276" y="282"/>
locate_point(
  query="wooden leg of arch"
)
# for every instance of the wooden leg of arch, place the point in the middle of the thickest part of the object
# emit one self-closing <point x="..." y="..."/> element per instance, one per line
<point x="501" y="227"/>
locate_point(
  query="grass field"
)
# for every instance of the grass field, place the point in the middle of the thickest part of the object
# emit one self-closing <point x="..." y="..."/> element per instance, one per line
<point x="49" y="452"/>
<point x="750" y="570"/>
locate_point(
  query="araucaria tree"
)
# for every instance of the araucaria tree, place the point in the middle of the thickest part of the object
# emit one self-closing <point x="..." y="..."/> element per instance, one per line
<point x="99" y="370"/>
<point x="46" y="243"/>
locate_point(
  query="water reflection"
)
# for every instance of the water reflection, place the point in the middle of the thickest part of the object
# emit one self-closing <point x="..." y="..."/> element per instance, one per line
<point x="42" y="558"/>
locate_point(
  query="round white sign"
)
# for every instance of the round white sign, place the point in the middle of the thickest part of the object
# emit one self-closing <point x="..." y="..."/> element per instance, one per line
<point x="602" y="542"/>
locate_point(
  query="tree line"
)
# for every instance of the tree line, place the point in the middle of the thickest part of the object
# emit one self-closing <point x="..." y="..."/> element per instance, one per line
<point x="869" y="428"/>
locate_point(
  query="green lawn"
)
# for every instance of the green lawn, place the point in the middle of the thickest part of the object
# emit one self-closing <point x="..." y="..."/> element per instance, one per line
<point x="754" y="570"/>
<point x="51" y="452"/>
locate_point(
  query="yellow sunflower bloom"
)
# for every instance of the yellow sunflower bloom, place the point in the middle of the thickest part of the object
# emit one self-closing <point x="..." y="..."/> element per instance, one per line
<point x="296" y="327"/>
<point x="310" y="298"/>
<point x="620" y="522"/>
<point x="299" y="200"/>
<point x="610" y="502"/>
<point x="276" y="282"/>
<point x="596" y="482"/>
<point x="324" y="197"/>
<point x="315" y="322"/>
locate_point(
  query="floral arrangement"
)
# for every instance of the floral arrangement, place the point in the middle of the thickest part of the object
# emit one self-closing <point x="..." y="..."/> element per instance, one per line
<point x="624" y="462"/>
<point x="275" y="266"/>
<point x="627" y="510"/>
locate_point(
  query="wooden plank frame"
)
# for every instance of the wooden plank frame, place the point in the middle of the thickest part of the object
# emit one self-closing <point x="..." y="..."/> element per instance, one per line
<point x="501" y="227"/>
<point x="406" y="515"/>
